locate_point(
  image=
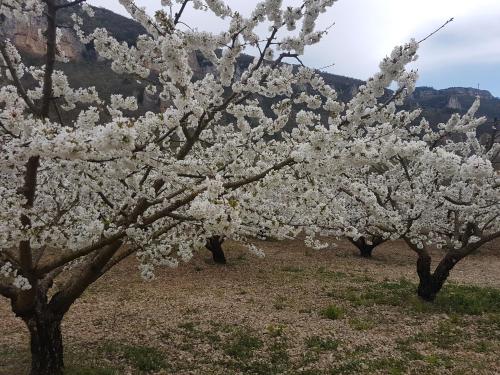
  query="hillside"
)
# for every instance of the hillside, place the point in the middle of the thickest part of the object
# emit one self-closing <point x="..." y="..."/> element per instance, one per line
<point x="87" y="69"/>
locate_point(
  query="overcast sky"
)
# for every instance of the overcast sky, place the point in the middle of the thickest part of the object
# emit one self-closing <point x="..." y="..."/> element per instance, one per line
<point x="465" y="53"/>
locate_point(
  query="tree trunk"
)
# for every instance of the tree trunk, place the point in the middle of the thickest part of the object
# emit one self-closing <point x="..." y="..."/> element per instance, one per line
<point x="214" y="244"/>
<point x="365" y="250"/>
<point x="45" y="342"/>
<point x="430" y="284"/>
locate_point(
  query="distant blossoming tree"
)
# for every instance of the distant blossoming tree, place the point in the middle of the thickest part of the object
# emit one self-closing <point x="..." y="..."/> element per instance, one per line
<point x="394" y="176"/>
<point x="441" y="189"/>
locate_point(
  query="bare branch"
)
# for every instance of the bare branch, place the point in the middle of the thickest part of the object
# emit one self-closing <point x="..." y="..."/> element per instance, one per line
<point x="435" y="31"/>
<point x="259" y="176"/>
<point x="70" y="256"/>
<point x="179" y="13"/>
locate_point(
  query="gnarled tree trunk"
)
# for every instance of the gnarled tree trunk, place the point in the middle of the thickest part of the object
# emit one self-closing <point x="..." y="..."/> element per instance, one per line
<point x="44" y="326"/>
<point x="365" y="249"/>
<point x="431" y="283"/>
<point x="45" y="342"/>
<point x="43" y="317"/>
<point x="214" y="244"/>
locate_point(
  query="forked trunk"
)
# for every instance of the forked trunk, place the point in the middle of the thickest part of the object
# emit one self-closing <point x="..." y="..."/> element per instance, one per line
<point x="431" y="283"/>
<point x="365" y="249"/>
<point x="214" y="244"/>
<point x="45" y="342"/>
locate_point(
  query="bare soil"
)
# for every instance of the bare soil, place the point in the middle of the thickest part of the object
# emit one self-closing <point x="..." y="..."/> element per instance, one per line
<point x="296" y="311"/>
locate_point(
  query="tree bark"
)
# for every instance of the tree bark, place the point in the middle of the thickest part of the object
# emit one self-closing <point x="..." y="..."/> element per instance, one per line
<point x="366" y="251"/>
<point x="44" y="326"/>
<point x="46" y="343"/>
<point x="431" y="283"/>
<point x="214" y="245"/>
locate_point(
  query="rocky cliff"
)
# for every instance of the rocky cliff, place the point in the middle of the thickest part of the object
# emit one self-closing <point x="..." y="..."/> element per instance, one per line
<point x="87" y="70"/>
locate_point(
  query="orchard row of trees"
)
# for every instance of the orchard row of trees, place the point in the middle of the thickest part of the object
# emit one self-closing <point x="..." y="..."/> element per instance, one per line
<point x="80" y="197"/>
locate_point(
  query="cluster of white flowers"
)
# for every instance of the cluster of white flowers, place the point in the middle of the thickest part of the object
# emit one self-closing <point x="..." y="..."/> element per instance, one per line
<point x="215" y="162"/>
<point x="19" y="281"/>
<point x="21" y="9"/>
<point x="119" y="102"/>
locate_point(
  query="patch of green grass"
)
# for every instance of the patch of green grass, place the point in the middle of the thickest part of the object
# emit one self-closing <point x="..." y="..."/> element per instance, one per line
<point x="279" y="359"/>
<point x="332" y="312"/>
<point x="188" y="326"/>
<point x="389" y="366"/>
<point x="405" y="347"/>
<point x="242" y="344"/>
<point x="193" y="334"/>
<point x="438" y="361"/>
<point x="311" y="372"/>
<point x="143" y="358"/>
<point x="273" y="358"/>
<point x="321" y="344"/>
<point x="468" y="299"/>
<point x="446" y="335"/>
<point x="333" y="275"/>
<point x="352" y="366"/>
<point x="363" y="278"/>
<point x="361" y="324"/>
<point x="452" y="299"/>
<point x="484" y="346"/>
<point x="488" y="327"/>
<point x="191" y="311"/>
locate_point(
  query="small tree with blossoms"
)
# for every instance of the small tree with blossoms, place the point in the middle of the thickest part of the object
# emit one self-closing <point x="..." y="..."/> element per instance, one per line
<point x="393" y="175"/>
<point x="463" y="191"/>
<point x="80" y="197"/>
<point x="441" y="190"/>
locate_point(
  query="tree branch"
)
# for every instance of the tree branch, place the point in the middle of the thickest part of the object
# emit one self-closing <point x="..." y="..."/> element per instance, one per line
<point x="70" y="4"/>
<point x="7" y="291"/>
<point x="179" y="14"/>
<point x="80" y="281"/>
<point x="70" y="256"/>
<point x="17" y="81"/>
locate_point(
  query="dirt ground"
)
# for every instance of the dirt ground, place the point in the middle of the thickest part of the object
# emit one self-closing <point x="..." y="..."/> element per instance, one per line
<point x="296" y="311"/>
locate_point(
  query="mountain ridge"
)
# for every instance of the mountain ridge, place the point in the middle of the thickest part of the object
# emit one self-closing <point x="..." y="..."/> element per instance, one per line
<point x="437" y="104"/>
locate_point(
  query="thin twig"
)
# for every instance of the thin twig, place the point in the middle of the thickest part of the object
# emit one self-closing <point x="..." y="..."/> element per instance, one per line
<point x="435" y="31"/>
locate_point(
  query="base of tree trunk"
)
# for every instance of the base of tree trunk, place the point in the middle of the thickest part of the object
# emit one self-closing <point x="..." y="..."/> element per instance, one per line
<point x="427" y="291"/>
<point x="214" y="245"/>
<point x="365" y="248"/>
<point x="46" y="344"/>
<point x="431" y="283"/>
<point x="366" y="251"/>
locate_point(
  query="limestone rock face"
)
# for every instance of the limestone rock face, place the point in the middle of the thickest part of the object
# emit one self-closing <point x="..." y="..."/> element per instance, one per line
<point x="27" y="36"/>
<point x="469" y="91"/>
<point x="454" y="103"/>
